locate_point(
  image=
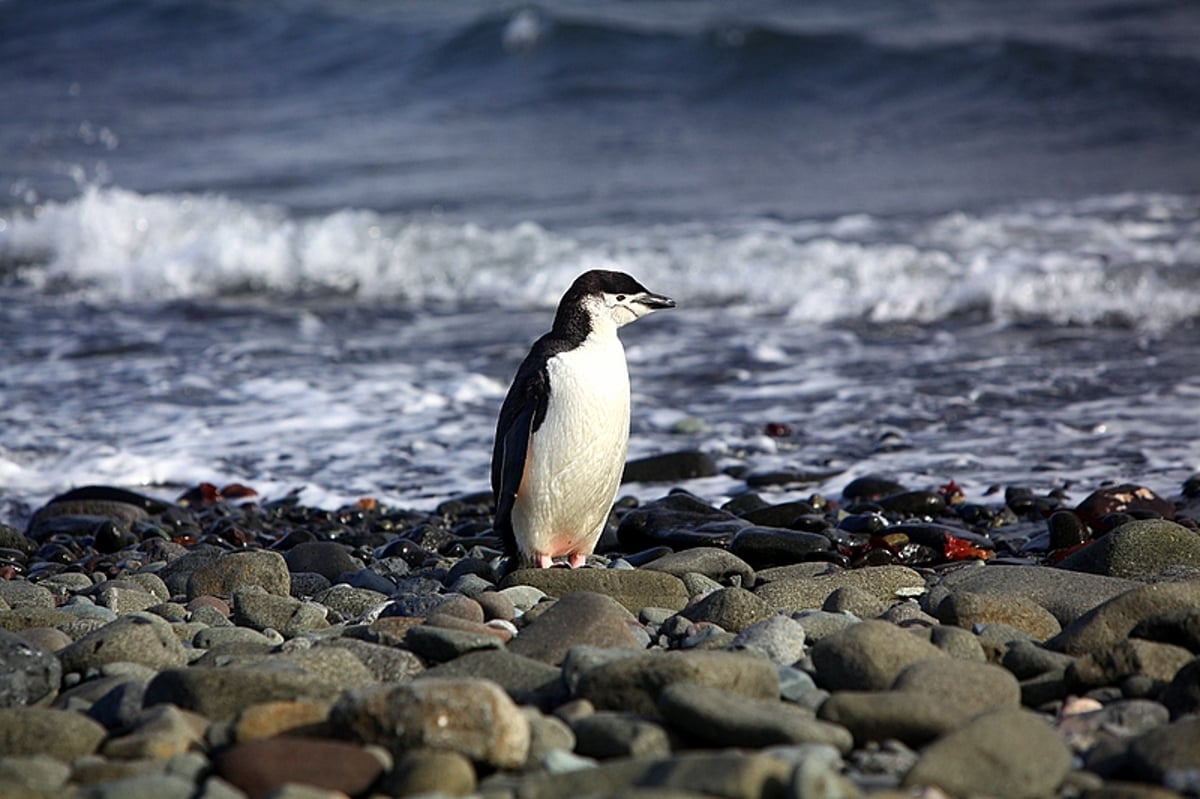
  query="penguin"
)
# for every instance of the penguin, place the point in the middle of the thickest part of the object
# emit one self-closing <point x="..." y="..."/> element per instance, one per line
<point x="563" y="430"/>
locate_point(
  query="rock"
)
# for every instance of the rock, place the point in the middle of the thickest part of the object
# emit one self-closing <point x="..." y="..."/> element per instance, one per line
<point x="61" y="734"/>
<point x="283" y="717"/>
<point x="473" y="717"/>
<point x="1136" y="549"/>
<point x="634" y="683"/>
<point x="1121" y="499"/>
<point x="680" y="521"/>
<point x="785" y="514"/>
<point x="351" y="602"/>
<point x="326" y="558"/>
<point x="159" y="732"/>
<point x="496" y="605"/>
<point x="20" y="594"/>
<point x="1066" y="594"/>
<point x="386" y="663"/>
<point x="1010" y="752"/>
<point x="885" y="583"/>
<point x="255" y="567"/>
<point x="1180" y="627"/>
<point x="143" y="639"/>
<point x="33" y="775"/>
<point x="257" y="767"/>
<point x="527" y="681"/>
<point x="871" y="487"/>
<point x="718" y="718"/>
<point x="771" y="546"/>
<point x="1168" y="753"/>
<point x="255" y="607"/>
<point x="779" y="638"/>
<point x="222" y="693"/>
<point x="966" y="686"/>
<point x="28" y="618"/>
<point x="868" y="656"/>
<point x="579" y="617"/>
<point x="732" y="609"/>
<point x="672" y="467"/>
<point x="907" y="716"/>
<point x="608" y="734"/>
<point x="966" y="609"/>
<point x="441" y="644"/>
<point x="1182" y="696"/>
<point x="729" y="774"/>
<point x="914" y="503"/>
<point x="31" y="675"/>
<point x="854" y="600"/>
<point x="433" y="772"/>
<point x="716" y="564"/>
<point x="1134" y="657"/>
<point x="635" y="589"/>
<point x="1111" y="622"/>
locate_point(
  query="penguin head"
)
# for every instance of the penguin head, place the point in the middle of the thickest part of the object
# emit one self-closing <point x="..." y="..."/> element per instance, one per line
<point x="610" y="298"/>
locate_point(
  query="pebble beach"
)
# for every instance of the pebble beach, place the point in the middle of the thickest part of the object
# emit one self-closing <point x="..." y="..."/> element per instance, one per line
<point x="892" y="641"/>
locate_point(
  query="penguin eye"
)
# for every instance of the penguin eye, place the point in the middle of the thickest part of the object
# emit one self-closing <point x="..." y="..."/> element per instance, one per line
<point x="620" y="298"/>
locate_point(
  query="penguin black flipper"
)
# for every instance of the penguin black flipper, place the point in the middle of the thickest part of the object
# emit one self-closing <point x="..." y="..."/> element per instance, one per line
<point x="521" y="414"/>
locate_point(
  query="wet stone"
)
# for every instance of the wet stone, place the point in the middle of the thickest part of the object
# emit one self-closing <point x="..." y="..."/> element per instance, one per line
<point x="326" y="558"/>
<point x="577" y="618"/>
<point x="718" y="565"/>
<point x="732" y="609"/>
<point x="770" y="546"/>
<point x="868" y="656"/>
<point x="31" y="675"/>
<point x="721" y="719"/>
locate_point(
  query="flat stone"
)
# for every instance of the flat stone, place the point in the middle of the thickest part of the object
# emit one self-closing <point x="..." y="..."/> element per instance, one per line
<point x="282" y="717"/>
<point x="142" y="638"/>
<point x="257" y="608"/>
<point x="527" y="680"/>
<point x="1136" y="549"/>
<point x="159" y="732"/>
<point x="1010" y="752"/>
<point x="967" y="686"/>
<point x="868" y="656"/>
<point x="222" y="693"/>
<point x="854" y="600"/>
<point x="22" y="594"/>
<point x="441" y="644"/>
<point x="473" y="717"/>
<point x="885" y="583"/>
<point x="634" y="683"/>
<point x="1129" y="658"/>
<point x="716" y="564"/>
<point x="387" y="663"/>
<point x="326" y="558"/>
<point x="578" y="618"/>
<point x="124" y="600"/>
<point x="906" y="716"/>
<point x="721" y="719"/>
<point x="731" y="609"/>
<point x="28" y="618"/>
<point x="61" y="734"/>
<point x="634" y="589"/>
<point x="773" y="546"/>
<point x="1111" y="622"/>
<point x="31" y="675"/>
<point x="779" y="638"/>
<point x="966" y="609"/>
<point x="257" y="767"/>
<point x="33" y="775"/>
<point x="351" y="602"/>
<point x="1170" y="749"/>
<point x="433" y="772"/>
<point x="1066" y="594"/>
<point x="609" y="734"/>
<point x="224" y="575"/>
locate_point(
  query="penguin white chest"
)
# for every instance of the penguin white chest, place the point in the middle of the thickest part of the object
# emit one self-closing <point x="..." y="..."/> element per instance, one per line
<point x="577" y="455"/>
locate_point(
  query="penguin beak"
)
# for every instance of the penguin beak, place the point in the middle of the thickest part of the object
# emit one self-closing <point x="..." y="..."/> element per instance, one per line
<point x="654" y="302"/>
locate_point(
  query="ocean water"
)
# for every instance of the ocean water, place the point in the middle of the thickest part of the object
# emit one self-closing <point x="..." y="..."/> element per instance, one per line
<point x="304" y="245"/>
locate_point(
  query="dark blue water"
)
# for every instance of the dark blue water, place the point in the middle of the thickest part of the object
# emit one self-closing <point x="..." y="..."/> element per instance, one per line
<point x="602" y="112"/>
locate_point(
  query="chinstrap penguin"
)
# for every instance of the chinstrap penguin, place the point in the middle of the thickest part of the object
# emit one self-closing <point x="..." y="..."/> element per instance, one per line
<point x="563" y="430"/>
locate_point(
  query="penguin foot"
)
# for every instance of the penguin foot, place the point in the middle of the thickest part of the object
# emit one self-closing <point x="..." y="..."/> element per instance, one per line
<point x="578" y="559"/>
<point x="544" y="561"/>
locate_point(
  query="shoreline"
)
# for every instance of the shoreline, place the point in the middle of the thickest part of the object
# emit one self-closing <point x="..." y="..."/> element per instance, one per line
<point x="228" y="645"/>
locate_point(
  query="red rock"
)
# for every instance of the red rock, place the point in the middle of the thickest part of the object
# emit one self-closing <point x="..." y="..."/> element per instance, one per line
<point x="257" y="767"/>
<point x="1122" y="498"/>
